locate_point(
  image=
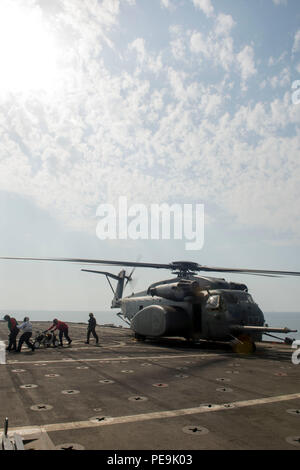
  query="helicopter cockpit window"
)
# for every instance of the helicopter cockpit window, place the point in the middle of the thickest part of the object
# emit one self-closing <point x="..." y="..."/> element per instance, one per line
<point x="237" y="297"/>
<point x="247" y="298"/>
<point x="213" y="302"/>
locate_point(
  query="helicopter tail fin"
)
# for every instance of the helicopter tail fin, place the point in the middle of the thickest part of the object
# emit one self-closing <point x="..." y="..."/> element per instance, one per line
<point x="118" y="291"/>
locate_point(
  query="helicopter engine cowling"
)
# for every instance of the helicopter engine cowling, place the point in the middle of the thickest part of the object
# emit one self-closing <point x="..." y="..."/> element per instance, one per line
<point x="177" y="291"/>
<point x="236" y="286"/>
<point x="161" y="320"/>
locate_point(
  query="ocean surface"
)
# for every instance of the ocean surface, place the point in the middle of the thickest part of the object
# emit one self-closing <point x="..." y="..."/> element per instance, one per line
<point x="273" y="319"/>
<point x="282" y="319"/>
<point x="75" y="316"/>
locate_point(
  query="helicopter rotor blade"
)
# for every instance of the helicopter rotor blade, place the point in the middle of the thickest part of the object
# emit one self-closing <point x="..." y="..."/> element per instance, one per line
<point x="264" y="275"/>
<point x="261" y="272"/>
<point x="93" y="261"/>
<point x="182" y="266"/>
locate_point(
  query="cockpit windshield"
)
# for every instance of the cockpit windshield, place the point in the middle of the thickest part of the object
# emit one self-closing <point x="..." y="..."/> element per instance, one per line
<point x="237" y="297"/>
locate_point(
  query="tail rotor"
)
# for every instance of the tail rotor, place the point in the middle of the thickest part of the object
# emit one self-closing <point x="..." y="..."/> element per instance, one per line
<point x="129" y="277"/>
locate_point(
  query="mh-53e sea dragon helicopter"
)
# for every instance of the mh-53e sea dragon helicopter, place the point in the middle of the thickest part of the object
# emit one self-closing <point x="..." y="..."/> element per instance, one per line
<point x="190" y="306"/>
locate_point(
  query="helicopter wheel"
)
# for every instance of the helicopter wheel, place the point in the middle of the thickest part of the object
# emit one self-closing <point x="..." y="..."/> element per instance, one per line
<point x="244" y="346"/>
<point x="139" y="337"/>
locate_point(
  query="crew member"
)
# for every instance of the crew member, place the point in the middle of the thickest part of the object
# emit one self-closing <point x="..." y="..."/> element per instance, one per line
<point x="91" y="329"/>
<point x="26" y="328"/>
<point x="63" y="330"/>
<point x="12" y="337"/>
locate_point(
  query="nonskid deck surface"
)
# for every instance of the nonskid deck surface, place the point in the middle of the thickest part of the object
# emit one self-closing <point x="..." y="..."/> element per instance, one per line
<point x="154" y="395"/>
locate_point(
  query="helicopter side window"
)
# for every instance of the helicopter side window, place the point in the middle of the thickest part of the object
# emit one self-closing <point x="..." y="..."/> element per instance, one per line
<point x="213" y="302"/>
<point x="245" y="298"/>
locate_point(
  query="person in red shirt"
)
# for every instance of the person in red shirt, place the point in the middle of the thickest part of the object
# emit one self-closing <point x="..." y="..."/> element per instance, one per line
<point x="63" y="330"/>
<point x="13" y="333"/>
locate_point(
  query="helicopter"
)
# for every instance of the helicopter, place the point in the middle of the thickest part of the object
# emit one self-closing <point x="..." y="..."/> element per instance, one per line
<point x="192" y="306"/>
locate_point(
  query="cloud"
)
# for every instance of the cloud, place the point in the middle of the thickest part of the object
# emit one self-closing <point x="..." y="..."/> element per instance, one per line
<point x="224" y="24"/>
<point x="200" y="156"/>
<point x="144" y="58"/>
<point x="219" y="51"/>
<point x="142" y="125"/>
<point x="296" y="45"/>
<point x="139" y="45"/>
<point x="282" y="79"/>
<point x="178" y="42"/>
<point x="167" y="4"/>
<point x="274" y="61"/>
<point x="218" y="46"/>
<point x="200" y="45"/>
<point x="205" y="6"/>
<point x="246" y="62"/>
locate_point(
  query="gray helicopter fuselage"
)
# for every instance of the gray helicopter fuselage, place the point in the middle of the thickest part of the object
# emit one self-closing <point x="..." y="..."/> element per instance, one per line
<point x="209" y="311"/>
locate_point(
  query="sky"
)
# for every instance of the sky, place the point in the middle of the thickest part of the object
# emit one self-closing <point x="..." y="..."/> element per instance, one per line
<point x="159" y="101"/>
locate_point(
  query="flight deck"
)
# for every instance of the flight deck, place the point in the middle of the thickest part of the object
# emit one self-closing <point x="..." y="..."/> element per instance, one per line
<point x="154" y="395"/>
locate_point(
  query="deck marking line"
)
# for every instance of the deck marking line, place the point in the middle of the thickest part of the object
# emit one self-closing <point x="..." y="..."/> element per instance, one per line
<point x="114" y="359"/>
<point x="156" y="415"/>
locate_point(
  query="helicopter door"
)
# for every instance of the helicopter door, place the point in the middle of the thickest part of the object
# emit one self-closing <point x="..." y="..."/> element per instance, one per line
<point x="197" y="317"/>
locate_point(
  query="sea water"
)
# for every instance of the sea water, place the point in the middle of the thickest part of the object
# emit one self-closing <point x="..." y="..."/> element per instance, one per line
<point x="282" y="319"/>
<point x="72" y="316"/>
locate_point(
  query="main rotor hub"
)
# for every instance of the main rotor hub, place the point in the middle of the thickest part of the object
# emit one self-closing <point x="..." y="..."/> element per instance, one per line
<point x="184" y="268"/>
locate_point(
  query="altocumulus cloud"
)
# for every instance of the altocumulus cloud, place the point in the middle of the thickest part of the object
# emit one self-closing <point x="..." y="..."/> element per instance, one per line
<point x="175" y="119"/>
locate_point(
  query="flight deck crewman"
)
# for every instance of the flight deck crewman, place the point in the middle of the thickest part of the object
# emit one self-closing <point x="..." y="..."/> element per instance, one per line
<point x="63" y="330"/>
<point x="12" y="338"/>
<point x="91" y="329"/>
<point x="26" y="328"/>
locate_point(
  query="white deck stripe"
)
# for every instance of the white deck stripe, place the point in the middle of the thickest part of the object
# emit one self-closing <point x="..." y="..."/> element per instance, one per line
<point x="155" y="415"/>
<point x="121" y="358"/>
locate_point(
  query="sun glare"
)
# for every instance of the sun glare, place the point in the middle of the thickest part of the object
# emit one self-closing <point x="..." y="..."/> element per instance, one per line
<point x="28" y="54"/>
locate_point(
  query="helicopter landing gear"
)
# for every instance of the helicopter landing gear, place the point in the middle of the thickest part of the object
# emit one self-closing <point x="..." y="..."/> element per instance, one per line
<point x="139" y="337"/>
<point x="243" y="345"/>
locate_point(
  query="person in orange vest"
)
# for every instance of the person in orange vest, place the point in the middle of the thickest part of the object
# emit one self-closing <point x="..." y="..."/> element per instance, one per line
<point x="63" y="330"/>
